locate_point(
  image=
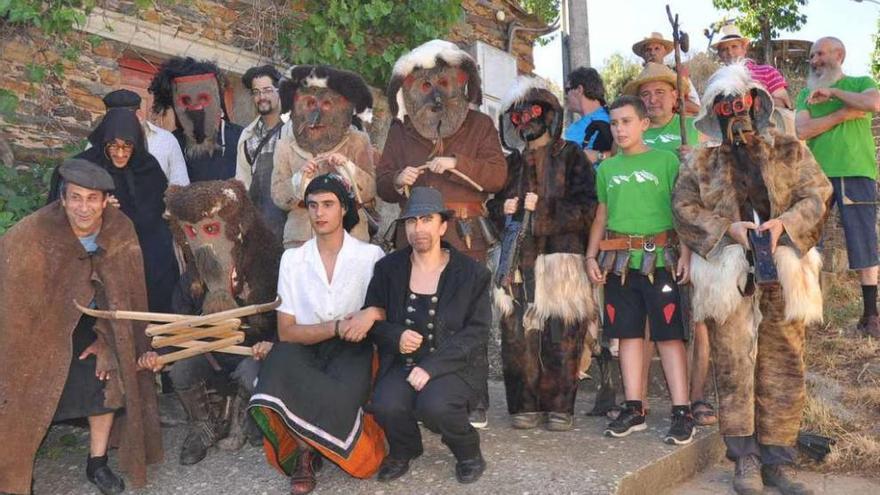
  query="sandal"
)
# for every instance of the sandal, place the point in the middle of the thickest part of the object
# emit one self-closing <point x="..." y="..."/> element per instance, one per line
<point x="615" y="411"/>
<point x="704" y="413"/>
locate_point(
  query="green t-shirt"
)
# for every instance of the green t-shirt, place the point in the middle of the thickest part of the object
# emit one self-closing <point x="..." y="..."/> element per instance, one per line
<point x="847" y="149"/>
<point x="668" y="137"/>
<point x="637" y="190"/>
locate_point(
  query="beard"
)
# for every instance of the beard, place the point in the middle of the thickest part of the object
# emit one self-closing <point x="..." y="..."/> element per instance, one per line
<point x="823" y="77"/>
<point x="265" y="107"/>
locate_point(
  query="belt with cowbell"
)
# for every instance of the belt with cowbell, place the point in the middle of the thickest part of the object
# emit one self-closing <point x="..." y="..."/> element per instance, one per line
<point x="617" y="242"/>
<point x="465" y="209"/>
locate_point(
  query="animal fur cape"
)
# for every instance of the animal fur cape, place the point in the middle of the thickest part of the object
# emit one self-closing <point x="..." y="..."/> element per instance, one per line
<point x="43" y="269"/>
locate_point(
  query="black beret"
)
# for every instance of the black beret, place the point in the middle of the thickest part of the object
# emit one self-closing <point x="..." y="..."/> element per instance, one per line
<point x="122" y="98"/>
<point x="86" y="174"/>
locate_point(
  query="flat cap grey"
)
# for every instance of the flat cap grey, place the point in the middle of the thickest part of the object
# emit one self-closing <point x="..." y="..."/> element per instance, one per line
<point x="86" y="174"/>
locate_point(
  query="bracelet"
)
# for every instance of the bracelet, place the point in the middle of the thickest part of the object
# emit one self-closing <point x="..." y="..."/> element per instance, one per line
<point x="336" y="329"/>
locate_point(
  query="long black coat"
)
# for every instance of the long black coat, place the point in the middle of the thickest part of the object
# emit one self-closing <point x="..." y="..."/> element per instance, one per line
<point x="464" y="315"/>
<point x="140" y="189"/>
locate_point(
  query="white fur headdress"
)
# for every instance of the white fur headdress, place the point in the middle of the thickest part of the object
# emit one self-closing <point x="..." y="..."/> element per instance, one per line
<point x="734" y="79"/>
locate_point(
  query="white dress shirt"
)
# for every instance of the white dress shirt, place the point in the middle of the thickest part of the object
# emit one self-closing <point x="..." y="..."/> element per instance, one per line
<point x="308" y="296"/>
<point x="165" y="148"/>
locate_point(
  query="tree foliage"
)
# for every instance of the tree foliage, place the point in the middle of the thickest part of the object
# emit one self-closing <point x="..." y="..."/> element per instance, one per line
<point x="616" y="72"/>
<point x="546" y="10"/>
<point x="365" y="36"/>
<point x="875" y="55"/>
<point x="765" y="19"/>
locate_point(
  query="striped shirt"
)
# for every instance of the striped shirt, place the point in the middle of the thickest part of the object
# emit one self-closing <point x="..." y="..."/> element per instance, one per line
<point x="767" y="75"/>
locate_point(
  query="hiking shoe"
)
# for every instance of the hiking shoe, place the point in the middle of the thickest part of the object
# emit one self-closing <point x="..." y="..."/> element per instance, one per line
<point x="782" y="477"/>
<point x="682" y="430"/>
<point x="559" y="422"/>
<point x="631" y="419"/>
<point x="525" y="421"/>
<point x="870" y="326"/>
<point x="747" y="476"/>
<point x="478" y="418"/>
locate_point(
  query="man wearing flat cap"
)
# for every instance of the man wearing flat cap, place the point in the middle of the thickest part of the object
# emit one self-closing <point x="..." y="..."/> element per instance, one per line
<point x="432" y="341"/>
<point x="69" y="365"/>
<point x="160" y="142"/>
<point x="654" y="48"/>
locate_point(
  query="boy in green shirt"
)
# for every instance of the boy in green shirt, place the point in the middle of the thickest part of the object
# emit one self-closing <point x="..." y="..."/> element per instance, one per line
<point x="834" y="116"/>
<point x="633" y="225"/>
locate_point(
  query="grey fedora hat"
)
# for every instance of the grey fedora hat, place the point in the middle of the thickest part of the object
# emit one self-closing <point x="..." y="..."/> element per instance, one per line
<point x="424" y="201"/>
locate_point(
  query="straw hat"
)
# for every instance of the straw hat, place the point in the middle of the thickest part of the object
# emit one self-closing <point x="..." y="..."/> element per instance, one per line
<point x="729" y="32"/>
<point x="655" y="72"/>
<point x="654" y="37"/>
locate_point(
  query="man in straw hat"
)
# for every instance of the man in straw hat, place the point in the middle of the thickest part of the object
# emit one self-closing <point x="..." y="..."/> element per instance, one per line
<point x="654" y="48"/>
<point x="733" y="47"/>
<point x="432" y="343"/>
<point x="68" y="365"/>
<point x="758" y="188"/>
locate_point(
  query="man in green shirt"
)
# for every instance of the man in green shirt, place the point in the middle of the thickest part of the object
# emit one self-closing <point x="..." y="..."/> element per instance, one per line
<point x="657" y="88"/>
<point x="834" y="116"/>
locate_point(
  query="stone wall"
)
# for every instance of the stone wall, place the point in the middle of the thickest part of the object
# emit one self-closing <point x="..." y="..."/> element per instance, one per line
<point x="237" y="34"/>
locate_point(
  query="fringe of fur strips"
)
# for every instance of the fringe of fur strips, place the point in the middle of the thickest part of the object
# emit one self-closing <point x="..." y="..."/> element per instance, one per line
<point x="717" y="284"/>
<point x="562" y="290"/>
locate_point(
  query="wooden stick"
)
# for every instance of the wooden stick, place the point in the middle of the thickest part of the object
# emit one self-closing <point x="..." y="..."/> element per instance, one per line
<point x="119" y="314"/>
<point x="195" y="334"/>
<point x="157" y="330"/>
<point x="240" y="350"/>
<point x="196" y="321"/>
<point x="200" y="348"/>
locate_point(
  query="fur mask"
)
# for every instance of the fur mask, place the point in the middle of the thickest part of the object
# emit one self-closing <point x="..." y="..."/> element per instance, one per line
<point x="736" y="117"/>
<point x="436" y="100"/>
<point x="197" y="107"/>
<point x="321" y="118"/>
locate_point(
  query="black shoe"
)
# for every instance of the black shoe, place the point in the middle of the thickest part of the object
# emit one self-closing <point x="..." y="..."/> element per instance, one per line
<point x="478" y="418"/>
<point x="392" y="469"/>
<point x="782" y="478"/>
<point x="106" y="480"/>
<point x="631" y="419"/>
<point x="469" y="470"/>
<point x="682" y="430"/>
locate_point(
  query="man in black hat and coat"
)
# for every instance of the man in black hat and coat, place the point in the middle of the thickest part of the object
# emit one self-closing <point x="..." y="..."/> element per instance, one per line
<point x="432" y="343"/>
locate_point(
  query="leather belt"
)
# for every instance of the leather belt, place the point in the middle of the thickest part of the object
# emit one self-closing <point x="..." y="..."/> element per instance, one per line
<point x="617" y="242"/>
<point x="462" y="209"/>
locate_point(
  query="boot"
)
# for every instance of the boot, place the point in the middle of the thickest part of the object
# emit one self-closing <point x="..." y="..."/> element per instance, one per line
<point x="99" y="474"/>
<point x="783" y="479"/>
<point x="236" y="438"/>
<point x="303" y="480"/>
<point x="206" y="426"/>
<point x="747" y="476"/>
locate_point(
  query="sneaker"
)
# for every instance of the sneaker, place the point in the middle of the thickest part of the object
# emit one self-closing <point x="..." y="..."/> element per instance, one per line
<point x="870" y="326"/>
<point x="631" y="419"/>
<point x="478" y="418"/>
<point x="682" y="430"/>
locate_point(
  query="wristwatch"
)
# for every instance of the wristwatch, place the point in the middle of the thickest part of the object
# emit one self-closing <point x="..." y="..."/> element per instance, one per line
<point x="601" y="156"/>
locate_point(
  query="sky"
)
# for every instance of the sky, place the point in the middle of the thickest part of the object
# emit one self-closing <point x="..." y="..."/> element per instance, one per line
<point x="853" y="22"/>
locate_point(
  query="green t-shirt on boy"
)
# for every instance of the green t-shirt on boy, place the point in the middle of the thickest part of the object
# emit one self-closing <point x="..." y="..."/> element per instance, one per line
<point x="637" y="191"/>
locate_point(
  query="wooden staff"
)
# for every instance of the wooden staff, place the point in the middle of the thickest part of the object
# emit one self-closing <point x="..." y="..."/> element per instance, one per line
<point x="195" y="334"/>
<point x="200" y="348"/>
<point x="676" y="40"/>
<point x="159" y="330"/>
<point x="454" y="171"/>
<point x="129" y="315"/>
<point x="239" y="350"/>
<point x="213" y="318"/>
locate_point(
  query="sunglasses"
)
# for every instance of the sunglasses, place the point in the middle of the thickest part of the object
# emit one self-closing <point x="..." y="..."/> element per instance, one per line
<point x="114" y="147"/>
<point x="526" y="115"/>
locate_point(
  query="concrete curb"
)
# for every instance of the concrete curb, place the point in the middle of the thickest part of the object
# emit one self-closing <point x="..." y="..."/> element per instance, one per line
<point x="675" y="468"/>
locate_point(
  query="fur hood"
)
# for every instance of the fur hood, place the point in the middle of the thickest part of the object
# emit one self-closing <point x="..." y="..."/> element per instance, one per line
<point x="427" y="56"/>
<point x="734" y="79"/>
<point x="527" y="88"/>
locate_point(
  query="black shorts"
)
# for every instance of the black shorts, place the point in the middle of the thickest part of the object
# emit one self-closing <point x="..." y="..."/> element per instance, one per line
<point x="627" y="307"/>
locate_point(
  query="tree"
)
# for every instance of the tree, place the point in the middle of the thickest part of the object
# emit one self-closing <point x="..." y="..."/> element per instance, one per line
<point x="875" y="55"/>
<point x="764" y="19"/>
<point x="616" y="72"/>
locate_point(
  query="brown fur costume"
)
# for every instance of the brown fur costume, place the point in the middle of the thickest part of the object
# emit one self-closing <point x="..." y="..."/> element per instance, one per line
<point x="255" y="252"/>
<point x="43" y="269"/>
<point x="757" y="341"/>
<point x="544" y="319"/>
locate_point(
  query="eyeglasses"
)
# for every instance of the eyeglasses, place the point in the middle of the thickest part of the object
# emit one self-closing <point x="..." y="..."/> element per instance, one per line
<point x="264" y="91"/>
<point x="124" y="147"/>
